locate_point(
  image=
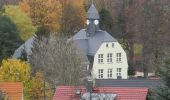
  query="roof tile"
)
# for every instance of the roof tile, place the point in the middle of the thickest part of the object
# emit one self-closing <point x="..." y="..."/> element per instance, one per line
<point x="123" y="93"/>
<point x="12" y="90"/>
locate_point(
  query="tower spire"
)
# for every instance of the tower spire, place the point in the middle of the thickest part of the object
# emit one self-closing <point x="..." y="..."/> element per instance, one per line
<point x="92" y="13"/>
<point x="92" y="20"/>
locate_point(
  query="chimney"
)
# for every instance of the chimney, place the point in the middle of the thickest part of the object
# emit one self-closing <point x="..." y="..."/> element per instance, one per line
<point x="89" y="85"/>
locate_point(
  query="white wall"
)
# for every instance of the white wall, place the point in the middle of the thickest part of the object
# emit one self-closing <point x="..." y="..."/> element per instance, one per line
<point x="114" y="65"/>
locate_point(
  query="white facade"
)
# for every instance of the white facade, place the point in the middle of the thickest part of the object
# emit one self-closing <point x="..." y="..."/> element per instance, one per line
<point x="110" y="62"/>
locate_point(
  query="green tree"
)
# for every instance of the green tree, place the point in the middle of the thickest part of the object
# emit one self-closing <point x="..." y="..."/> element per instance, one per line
<point x="164" y="72"/>
<point x="22" y="21"/>
<point x="162" y="92"/>
<point x="106" y="20"/>
<point x="9" y="37"/>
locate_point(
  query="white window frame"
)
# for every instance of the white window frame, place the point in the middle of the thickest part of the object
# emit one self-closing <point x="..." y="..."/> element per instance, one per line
<point x="100" y="58"/>
<point x="109" y="57"/>
<point x="101" y="73"/>
<point x="118" y="72"/>
<point x="109" y="73"/>
<point x="118" y="57"/>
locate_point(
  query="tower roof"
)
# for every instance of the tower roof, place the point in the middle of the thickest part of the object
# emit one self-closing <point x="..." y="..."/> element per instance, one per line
<point x="92" y="13"/>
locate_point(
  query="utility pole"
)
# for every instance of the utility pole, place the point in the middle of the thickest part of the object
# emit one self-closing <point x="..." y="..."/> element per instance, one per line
<point x="44" y="87"/>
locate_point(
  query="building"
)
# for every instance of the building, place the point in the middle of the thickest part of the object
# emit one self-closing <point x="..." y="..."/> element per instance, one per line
<point x="116" y="93"/>
<point x="11" y="90"/>
<point x="147" y="83"/>
<point x="107" y="57"/>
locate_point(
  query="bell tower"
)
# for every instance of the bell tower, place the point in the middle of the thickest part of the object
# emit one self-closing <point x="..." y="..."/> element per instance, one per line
<point x="92" y="21"/>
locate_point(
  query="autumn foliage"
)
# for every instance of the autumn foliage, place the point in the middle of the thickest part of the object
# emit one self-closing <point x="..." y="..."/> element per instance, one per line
<point x="44" y="13"/>
<point x="36" y="90"/>
<point x="13" y="70"/>
<point x="22" y="21"/>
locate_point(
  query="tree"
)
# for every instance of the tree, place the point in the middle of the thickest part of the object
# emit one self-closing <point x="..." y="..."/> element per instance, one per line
<point x="45" y="14"/>
<point x="154" y="22"/>
<point x="106" y="20"/>
<point x="162" y="92"/>
<point x="22" y="21"/>
<point x="73" y="16"/>
<point x="37" y="89"/>
<point x="9" y="37"/>
<point x="13" y="70"/>
<point x="59" y="59"/>
<point x="164" y="72"/>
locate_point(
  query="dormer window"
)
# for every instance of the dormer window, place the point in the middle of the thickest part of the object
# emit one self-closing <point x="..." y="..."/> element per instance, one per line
<point x="113" y="45"/>
<point x="107" y="45"/>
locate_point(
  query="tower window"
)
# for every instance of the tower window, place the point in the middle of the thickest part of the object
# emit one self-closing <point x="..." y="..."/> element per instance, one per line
<point x="87" y="22"/>
<point x="96" y="22"/>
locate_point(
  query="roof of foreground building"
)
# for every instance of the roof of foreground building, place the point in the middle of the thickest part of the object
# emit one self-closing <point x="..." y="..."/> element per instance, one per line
<point x="12" y="90"/>
<point x="121" y="93"/>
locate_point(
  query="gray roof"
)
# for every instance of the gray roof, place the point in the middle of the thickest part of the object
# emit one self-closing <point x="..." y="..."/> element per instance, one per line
<point x="26" y="46"/>
<point x="128" y="83"/>
<point x="92" y="13"/>
<point x="90" y="45"/>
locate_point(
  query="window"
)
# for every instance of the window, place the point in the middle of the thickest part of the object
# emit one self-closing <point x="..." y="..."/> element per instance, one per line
<point x="109" y="73"/>
<point x="100" y="73"/>
<point x="112" y="45"/>
<point x="100" y="58"/>
<point x="118" y="57"/>
<point x="85" y="68"/>
<point x="107" y="45"/>
<point x="109" y="57"/>
<point x="118" y="73"/>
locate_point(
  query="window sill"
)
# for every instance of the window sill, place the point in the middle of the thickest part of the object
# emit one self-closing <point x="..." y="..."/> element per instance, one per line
<point x="118" y="62"/>
<point x="100" y="63"/>
<point x="109" y="62"/>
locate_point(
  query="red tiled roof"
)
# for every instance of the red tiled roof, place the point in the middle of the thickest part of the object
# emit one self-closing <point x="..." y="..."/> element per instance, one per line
<point x="12" y="90"/>
<point x="123" y="93"/>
